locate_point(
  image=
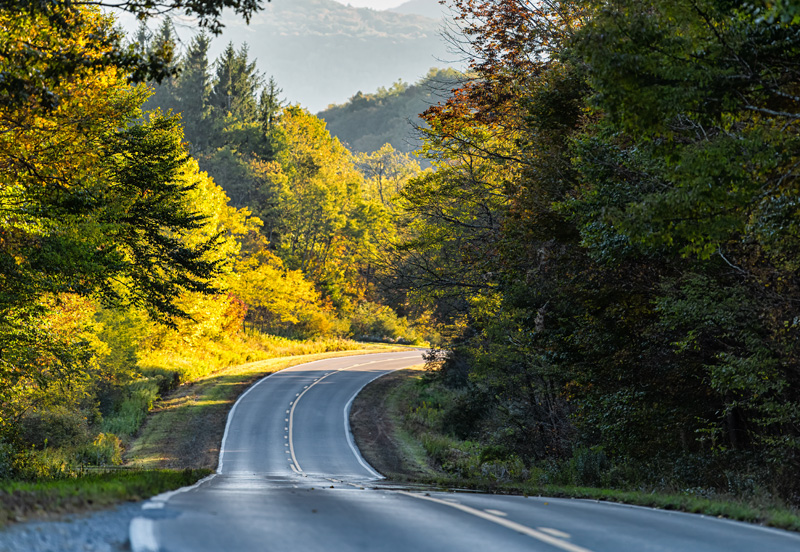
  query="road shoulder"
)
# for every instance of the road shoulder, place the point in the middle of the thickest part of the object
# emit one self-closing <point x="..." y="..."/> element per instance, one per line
<point x="375" y="420"/>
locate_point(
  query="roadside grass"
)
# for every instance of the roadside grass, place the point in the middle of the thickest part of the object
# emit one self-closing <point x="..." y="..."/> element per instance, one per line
<point x="164" y="369"/>
<point x="433" y="459"/>
<point x="777" y="516"/>
<point x="20" y="501"/>
<point x="185" y="428"/>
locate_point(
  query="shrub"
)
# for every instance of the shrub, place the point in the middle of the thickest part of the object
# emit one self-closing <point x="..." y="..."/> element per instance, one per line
<point x="130" y="414"/>
<point x="56" y="427"/>
<point x="105" y="450"/>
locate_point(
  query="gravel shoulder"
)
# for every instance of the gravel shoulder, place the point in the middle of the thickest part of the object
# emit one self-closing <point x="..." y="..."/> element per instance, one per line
<point x="104" y="531"/>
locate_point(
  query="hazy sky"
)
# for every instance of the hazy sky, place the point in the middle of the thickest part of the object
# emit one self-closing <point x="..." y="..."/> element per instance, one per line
<point x="289" y="60"/>
<point x="374" y="4"/>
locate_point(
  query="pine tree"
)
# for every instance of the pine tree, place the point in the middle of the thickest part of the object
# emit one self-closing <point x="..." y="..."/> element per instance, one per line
<point x="269" y="104"/>
<point x="236" y="84"/>
<point x="192" y="90"/>
<point x="163" y="44"/>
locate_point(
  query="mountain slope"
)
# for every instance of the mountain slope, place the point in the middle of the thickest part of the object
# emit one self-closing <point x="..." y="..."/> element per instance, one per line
<point x="431" y="9"/>
<point x="368" y="121"/>
<point x="322" y="52"/>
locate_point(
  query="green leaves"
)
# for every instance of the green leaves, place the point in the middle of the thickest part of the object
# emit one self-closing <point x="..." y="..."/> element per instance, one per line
<point x="639" y="279"/>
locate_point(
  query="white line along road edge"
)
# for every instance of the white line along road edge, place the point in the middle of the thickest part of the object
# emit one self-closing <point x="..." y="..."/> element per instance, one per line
<point x="348" y="431"/>
<point x="141" y="531"/>
<point x="295" y="464"/>
<point x="507" y="523"/>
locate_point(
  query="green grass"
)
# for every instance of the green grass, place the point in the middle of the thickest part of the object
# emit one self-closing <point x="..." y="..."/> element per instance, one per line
<point x="165" y="368"/>
<point x="185" y="429"/>
<point x="415" y="428"/>
<point x="20" y="501"/>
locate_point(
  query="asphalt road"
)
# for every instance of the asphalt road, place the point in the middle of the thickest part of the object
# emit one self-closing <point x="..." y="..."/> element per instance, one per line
<point x="291" y="479"/>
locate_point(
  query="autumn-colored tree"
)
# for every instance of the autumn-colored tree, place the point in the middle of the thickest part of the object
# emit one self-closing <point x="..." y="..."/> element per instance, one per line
<point x="313" y="209"/>
<point x="386" y="172"/>
<point x="612" y="229"/>
<point x="95" y="203"/>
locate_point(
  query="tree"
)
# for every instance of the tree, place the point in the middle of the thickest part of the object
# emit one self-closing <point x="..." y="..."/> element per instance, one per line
<point x="610" y="234"/>
<point x="700" y="132"/>
<point x="164" y="92"/>
<point x="235" y="86"/>
<point x="269" y="105"/>
<point x="312" y="206"/>
<point x="387" y="172"/>
<point x="193" y="90"/>
<point x="94" y="202"/>
<point x="65" y="18"/>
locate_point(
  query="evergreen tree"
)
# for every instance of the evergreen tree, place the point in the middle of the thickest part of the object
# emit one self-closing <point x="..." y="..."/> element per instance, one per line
<point x="269" y="104"/>
<point x="236" y="84"/>
<point x="163" y="43"/>
<point x="192" y="90"/>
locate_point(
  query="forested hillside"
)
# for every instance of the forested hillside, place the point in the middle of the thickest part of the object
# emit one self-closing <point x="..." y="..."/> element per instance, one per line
<point x="391" y="115"/>
<point x="607" y="242"/>
<point x="611" y="236"/>
<point x="153" y="233"/>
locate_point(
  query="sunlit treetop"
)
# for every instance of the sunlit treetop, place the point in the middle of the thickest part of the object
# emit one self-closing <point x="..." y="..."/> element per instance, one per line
<point x="30" y="69"/>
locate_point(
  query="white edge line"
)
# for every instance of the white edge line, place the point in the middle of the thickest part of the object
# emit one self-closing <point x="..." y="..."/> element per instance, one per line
<point x="141" y="531"/>
<point x="507" y="523"/>
<point x="348" y="431"/>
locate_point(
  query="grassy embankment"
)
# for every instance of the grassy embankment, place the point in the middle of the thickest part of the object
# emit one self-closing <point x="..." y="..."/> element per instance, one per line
<point x="181" y="432"/>
<point x="185" y="429"/>
<point x="20" y="501"/>
<point x="395" y="424"/>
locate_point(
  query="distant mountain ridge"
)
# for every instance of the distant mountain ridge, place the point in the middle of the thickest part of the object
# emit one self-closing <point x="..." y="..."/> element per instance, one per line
<point x="368" y="121"/>
<point x="322" y="52"/>
<point x="426" y="8"/>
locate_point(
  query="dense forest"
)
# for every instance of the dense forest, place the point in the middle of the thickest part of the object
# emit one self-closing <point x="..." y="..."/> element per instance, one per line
<point x="606" y="242"/>
<point x="611" y="233"/>
<point x="154" y="232"/>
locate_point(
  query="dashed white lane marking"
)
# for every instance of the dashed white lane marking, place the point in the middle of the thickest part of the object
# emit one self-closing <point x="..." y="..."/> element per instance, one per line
<point x="296" y="465"/>
<point x="497" y="513"/>
<point x="142" y="535"/>
<point x="524" y="529"/>
<point x="554" y="532"/>
<point x="141" y="531"/>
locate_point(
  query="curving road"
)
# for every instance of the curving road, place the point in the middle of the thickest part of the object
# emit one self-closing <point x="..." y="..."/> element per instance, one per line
<point x="291" y="479"/>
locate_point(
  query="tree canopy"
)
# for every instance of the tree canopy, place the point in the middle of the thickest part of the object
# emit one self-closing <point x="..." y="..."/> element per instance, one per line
<point x="610" y="234"/>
